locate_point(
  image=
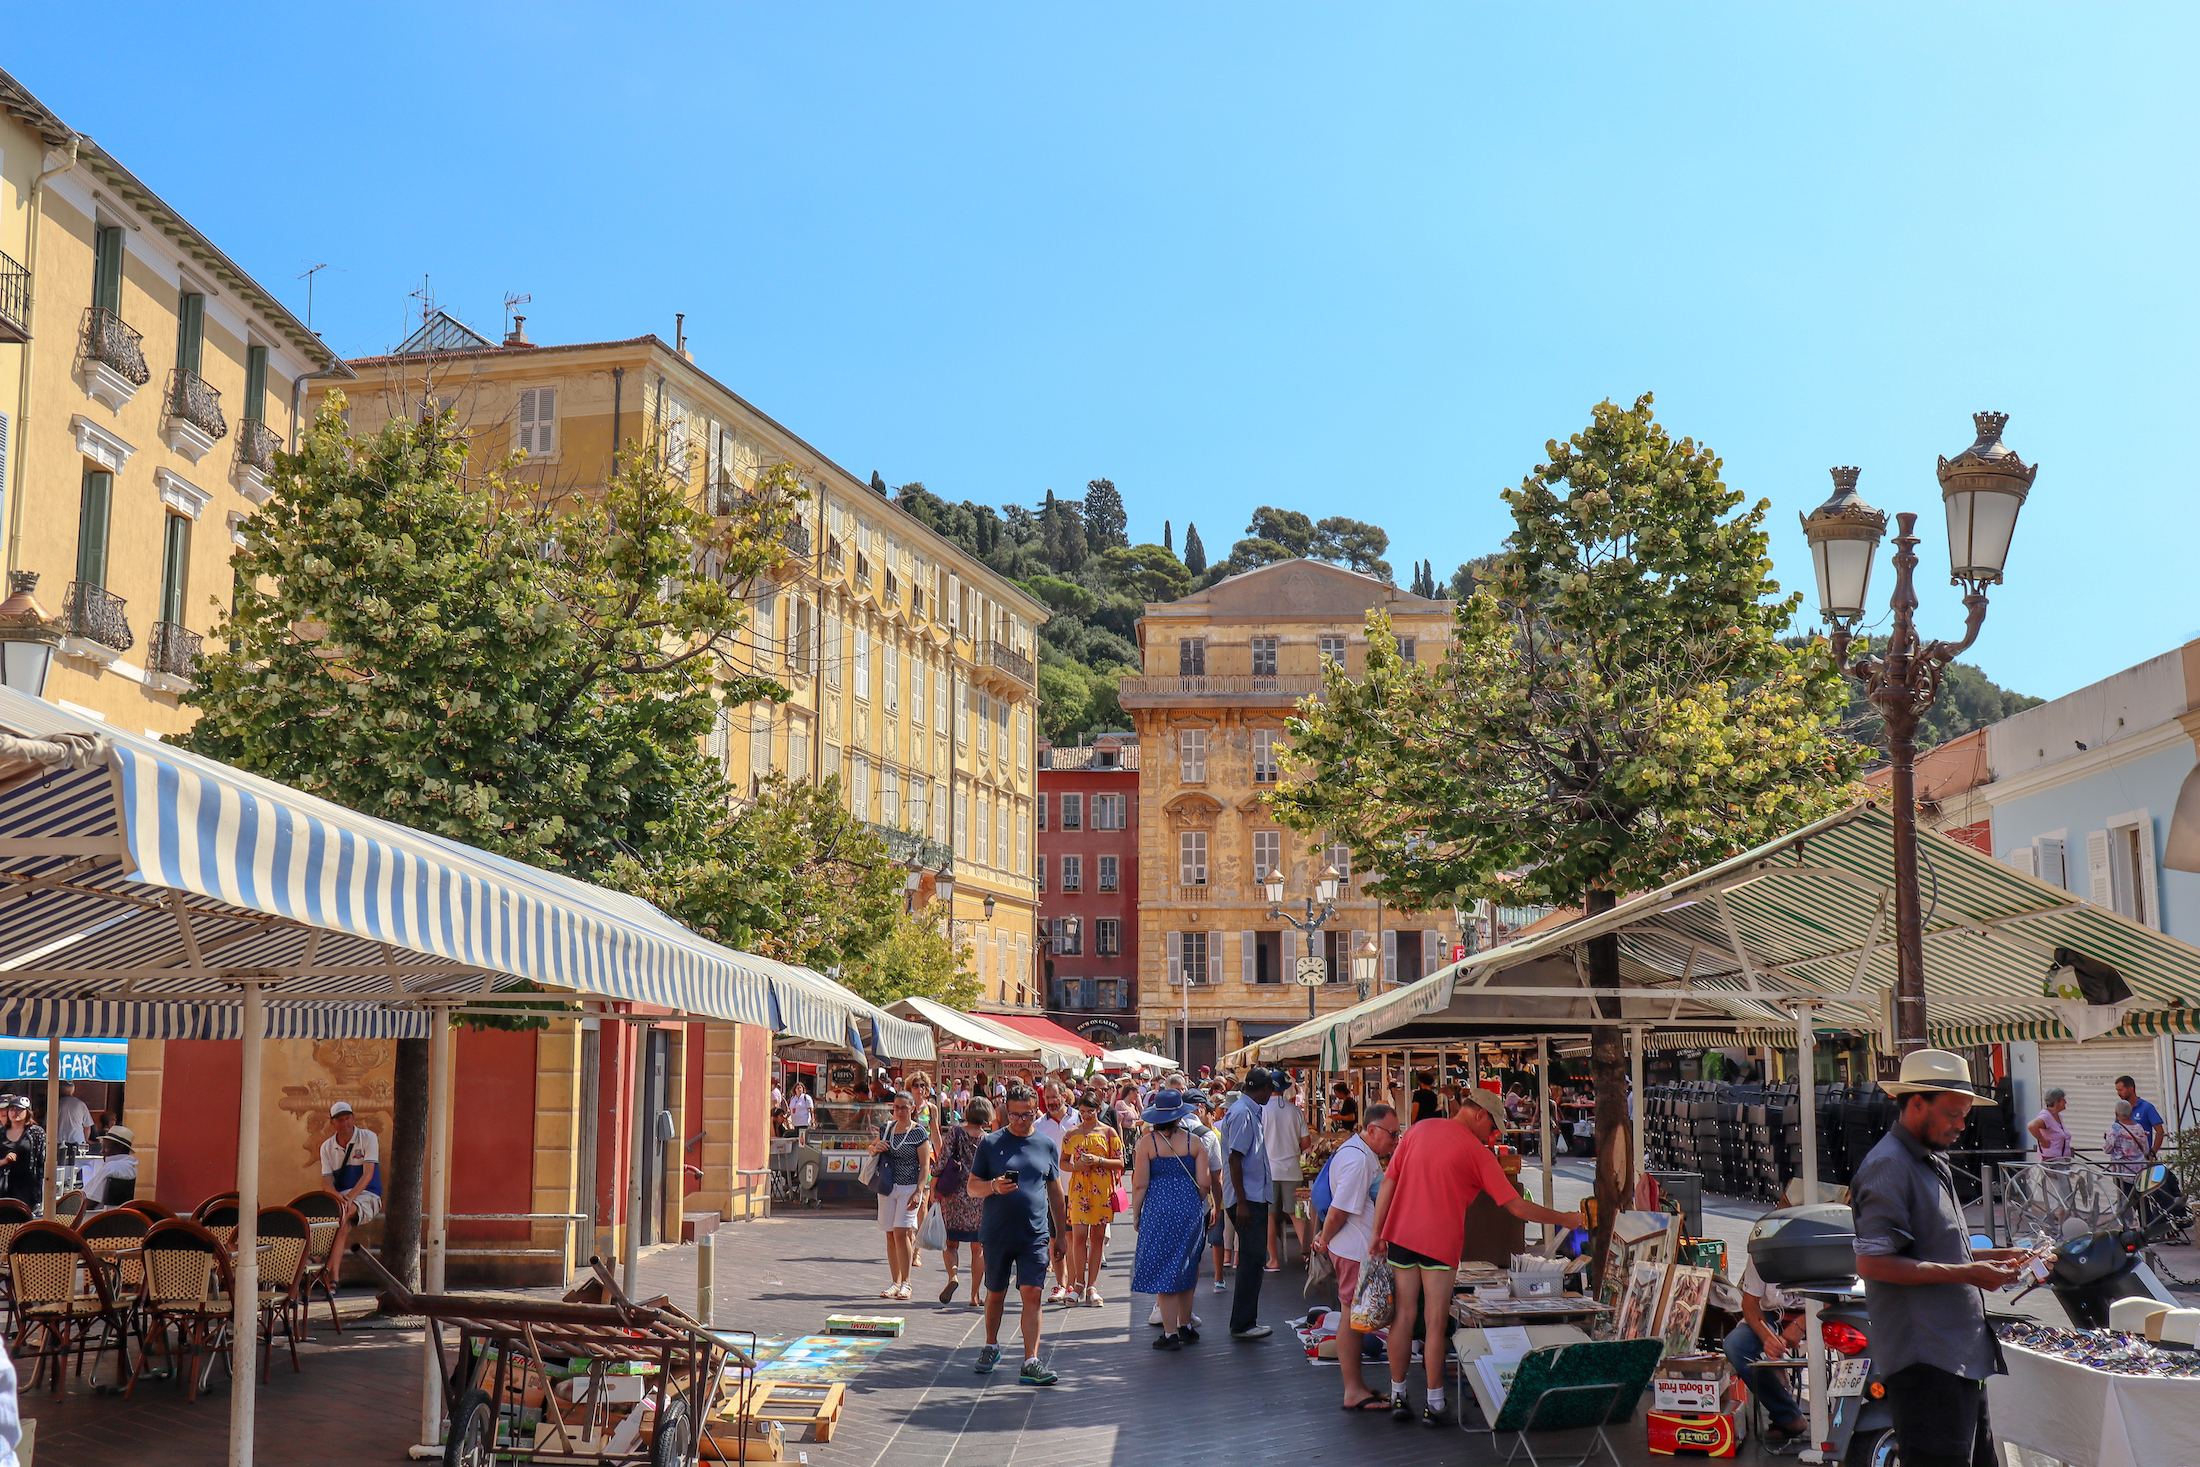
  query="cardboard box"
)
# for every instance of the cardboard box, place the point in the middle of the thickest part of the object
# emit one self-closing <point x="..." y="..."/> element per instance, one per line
<point x="1690" y="1384"/>
<point x="1674" y="1432"/>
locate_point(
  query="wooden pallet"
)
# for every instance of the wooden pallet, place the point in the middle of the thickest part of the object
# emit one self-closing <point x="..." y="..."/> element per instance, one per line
<point x="794" y="1404"/>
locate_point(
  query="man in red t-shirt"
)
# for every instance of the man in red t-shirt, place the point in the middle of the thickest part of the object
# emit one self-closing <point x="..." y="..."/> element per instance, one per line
<point x="1440" y="1167"/>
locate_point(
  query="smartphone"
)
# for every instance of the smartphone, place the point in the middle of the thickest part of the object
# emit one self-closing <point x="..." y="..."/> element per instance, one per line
<point x="1009" y="1176"/>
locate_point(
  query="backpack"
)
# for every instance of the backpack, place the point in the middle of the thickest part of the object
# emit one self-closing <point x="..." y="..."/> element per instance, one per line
<point x="1320" y="1193"/>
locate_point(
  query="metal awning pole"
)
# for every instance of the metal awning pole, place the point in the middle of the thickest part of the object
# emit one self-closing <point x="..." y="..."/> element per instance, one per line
<point x="1814" y="1341"/>
<point x="50" y="1186"/>
<point x="1545" y="1140"/>
<point x="1635" y="1105"/>
<point x="435" y="1246"/>
<point x="245" y="1270"/>
<point x="630" y="1256"/>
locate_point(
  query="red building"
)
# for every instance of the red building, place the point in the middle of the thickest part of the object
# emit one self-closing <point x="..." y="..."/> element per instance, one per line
<point x="1088" y="886"/>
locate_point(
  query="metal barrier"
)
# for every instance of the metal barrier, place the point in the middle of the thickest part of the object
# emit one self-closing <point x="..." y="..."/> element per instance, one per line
<point x="564" y="1253"/>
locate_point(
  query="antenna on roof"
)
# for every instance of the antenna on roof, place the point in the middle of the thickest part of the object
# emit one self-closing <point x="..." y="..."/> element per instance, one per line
<point x="509" y="302"/>
<point x="308" y="279"/>
<point x="426" y="297"/>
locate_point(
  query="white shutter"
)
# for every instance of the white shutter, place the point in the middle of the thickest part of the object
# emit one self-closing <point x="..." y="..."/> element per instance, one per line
<point x="2053" y="861"/>
<point x="2021" y="858"/>
<point x="1432" y="951"/>
<point x="760" y="741"/>
<point x="714" y="461"/>
<point x="1390" y="955"/>
<point x="954" y="601"/>
<point x="1290" y="954"/>
<point x="829" y="650"/>
<point x="2099" y="889"/>
<point x="1176" y="958"/>
<point x="2149" y="872"/>
<point x="1214" y="957"/>
<point x="1248" y="957"/>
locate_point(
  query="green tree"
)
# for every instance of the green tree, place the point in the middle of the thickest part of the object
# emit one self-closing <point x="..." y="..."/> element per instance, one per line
<point x="1285" y="527"/>
<point x="1354" y="543"/>
<point x="1968" y="699"/>
<point x="1617" y="710"/>
<point x="1107" y="523"/>
<point x="913" y="958"/>
<point x="1195" y="553"/>
<point x="1146" y="572"/>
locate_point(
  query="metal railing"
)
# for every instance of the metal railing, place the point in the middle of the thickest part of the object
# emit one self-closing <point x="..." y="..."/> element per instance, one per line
<point x="905" y="846"/>
<point x="109" y="340"/>
<point x="15" y="301"/>
<point x="257" y="445"/>
<point x="796" y="537"/>
<point x="96" y="614"/>
<point x="172" y="649"/>
<point x="1219" y="685"/>
<point x="1008" y="659"/>
<point x="193" y="400"/>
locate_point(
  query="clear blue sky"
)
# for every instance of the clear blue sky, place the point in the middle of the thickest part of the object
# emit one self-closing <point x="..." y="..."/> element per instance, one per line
<point x="1359" y="260"/>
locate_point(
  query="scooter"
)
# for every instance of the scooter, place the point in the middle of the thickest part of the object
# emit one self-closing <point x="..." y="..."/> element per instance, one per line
<point x="1811" y="1252"/>
<point x="2089" y="1273"/>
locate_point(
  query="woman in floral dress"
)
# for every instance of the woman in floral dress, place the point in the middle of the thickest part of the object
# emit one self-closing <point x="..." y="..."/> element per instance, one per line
<point x="961" y="1211"/>
<point x="1092" y="1160"/>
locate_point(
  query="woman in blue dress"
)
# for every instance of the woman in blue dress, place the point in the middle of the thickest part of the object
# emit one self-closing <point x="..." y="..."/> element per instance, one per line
<point x="1168" y="1203"/>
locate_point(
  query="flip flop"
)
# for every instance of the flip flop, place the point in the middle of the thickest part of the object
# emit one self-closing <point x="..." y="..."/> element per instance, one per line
<point x="1369" y="1403"/>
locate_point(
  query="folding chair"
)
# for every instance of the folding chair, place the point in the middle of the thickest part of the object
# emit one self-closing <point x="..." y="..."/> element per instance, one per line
<point x="1575" y="1387"/>
<point x="324" y="1214"/>
<point x="187" y="1285"/>
<point x="46" y="1262"/>
<point x="282" y="1297"/>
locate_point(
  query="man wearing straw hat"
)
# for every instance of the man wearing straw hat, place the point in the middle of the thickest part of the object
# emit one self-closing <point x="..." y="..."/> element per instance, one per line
<point x="1930" y="1340"/>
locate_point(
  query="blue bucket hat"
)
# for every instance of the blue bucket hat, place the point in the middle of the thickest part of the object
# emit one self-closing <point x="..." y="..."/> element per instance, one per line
<point x="1168" y="1105"/>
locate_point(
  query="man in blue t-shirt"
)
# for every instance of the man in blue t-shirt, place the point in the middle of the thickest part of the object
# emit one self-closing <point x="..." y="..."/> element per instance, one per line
<point x="2143" y="1114"/>
<point x="1019" y="1174"/>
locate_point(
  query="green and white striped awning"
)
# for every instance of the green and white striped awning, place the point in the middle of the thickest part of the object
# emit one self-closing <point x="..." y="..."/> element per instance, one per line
<point x="1810" y="918"/>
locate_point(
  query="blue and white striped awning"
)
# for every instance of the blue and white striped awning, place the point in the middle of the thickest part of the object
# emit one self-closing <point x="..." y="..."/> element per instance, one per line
<point x="166" y="876"/>
<point x="42" y="1018"/>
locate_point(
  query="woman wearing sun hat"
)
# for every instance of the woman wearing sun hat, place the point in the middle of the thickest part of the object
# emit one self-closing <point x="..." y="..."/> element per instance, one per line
<point x="1168" y="1206"/>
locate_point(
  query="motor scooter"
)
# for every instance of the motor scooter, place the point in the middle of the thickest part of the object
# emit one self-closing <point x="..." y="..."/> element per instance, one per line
<point x="1811" y="1252"/>
<point x="2089" y="1273"/>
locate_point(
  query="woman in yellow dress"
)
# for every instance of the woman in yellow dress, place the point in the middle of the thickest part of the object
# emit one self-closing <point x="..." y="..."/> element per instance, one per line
<point x="1092" y="1160"/>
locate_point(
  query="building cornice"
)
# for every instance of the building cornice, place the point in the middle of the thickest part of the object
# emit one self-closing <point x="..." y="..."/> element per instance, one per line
<point x="2144" y="744"/>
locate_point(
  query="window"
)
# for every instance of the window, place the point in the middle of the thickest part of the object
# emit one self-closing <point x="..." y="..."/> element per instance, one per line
<point x="1073" y="873"/>
<point x="2120" y="862"/>
<point x="859" y="784"/>
<point x="1023" y="740"/>
<point x="107" y="268"/>
<point x="1069" y="936"/>
<point x="799" y="634"/>
<point x="831" y="650"/>
<point x="889" y="799"/>
<point x="537" y="433"/>
<point x="962" y="716"/>
<point x="985" y="725"/>
<point x="1265" y="741"/>
<point x="1191" y="850"/>
<point x="1107" y="812"/>
<point x="1267" y="853"/>
<point x="863" y="665"/>
<point x="175" y="568"/>
<point x="939" y="702"/>
<point x="1264" y="657"/>
<point x="1042" y="875"/>
<point x="1023" y="845"/>
<point x="1406" y="648"/>
<point x="985" y="831"/>
<point x="720" y="744"/>
<point x="916" y="693"/>
<point x="1191" y="747"/>
<point x="919" y="809"/>
<point x="93" y="511"/>
<point x="1339" y="856"/>
<point x="190" y="331"/>
<point x="962" y="822"/>
<point x="1042" y="810"/>
<point x="1191" y="657"/>
<point x="939" y="819"/>
<point x="1073" y="812"/>
<point x="798" y="750"/>
<point x="1190" y="956"/>
<point x="890" y="673"/>
<point x="1000" y="831"/>
<point x="1108" y="878"/>
<point x="1334" y="647"/>
<point x="255" y="383"/>
<point x="760" y="740"/>
<point x="1107" y="940"/>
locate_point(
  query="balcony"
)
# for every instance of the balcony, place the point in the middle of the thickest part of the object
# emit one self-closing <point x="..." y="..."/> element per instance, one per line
<point x="904" y="846"/>
<point x="111" y="367"/>
<point x="796" y="537"/>
<point x="194" y="421"/>
<point x="257" y="445"/>
<point x="170" y="657"/>
<point x="1011" y="661"/>
<point x="15" y="301"/>
<point x="1150" y="690"/>
<point x="92" y="623"/>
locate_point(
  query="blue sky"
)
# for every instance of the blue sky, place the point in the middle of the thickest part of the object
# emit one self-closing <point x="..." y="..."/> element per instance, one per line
<point x="1351" y="260"/>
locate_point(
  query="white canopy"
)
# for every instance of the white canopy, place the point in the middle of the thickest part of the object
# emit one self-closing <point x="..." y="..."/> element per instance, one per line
<point x="964" y="1028"/>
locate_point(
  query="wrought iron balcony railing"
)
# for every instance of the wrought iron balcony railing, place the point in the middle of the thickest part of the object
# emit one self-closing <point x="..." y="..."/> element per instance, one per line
<point x="1001" y="655"/>
<point x="191" y="399"/>
<point x="257" y="445"/>
<point x="1220" y="685"/>
<point x="905" y="846"/>
<point x="96" y="614"/>
<point x="796" y="537"/>
<point x="172" y="650"/>
<point x="110" y="341"/>
<point x="15" y="301"/>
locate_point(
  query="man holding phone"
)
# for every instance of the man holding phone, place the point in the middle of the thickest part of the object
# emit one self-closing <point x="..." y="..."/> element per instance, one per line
<point x="1019" y="1174"/>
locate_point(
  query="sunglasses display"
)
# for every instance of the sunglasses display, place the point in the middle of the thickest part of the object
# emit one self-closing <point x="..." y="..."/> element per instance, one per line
<point x="2114" y="1351"/>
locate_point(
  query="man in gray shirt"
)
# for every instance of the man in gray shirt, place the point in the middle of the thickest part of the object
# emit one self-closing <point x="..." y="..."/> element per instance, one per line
<point x="1930" y="1340"/>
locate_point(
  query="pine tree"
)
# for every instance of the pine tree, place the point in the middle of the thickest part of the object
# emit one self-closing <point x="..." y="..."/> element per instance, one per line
<point x="1195" y="554"/>
<point x="1106" y="522"/>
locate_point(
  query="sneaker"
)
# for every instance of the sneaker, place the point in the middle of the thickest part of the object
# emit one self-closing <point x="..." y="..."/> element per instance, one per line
<point x="1037" y="1374"/>
<point x="1257" y="1332"/>
<point x="1062" y="1294"/>
<point x="988" y="1357"/>
<point x="1218" y="1286"/>
<point x="1400" y="1408"/>
<point x="1432" y="1416"/>
<point x="1188" y="1334"/>
<point x="1168" y="1341"/>
<point x="1154" y="1318"/>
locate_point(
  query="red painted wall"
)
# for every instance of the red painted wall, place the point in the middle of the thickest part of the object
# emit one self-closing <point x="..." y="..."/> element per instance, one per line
<point x="1091" y="904"/>
<point x="492" y="1131"/>
<point x="200" y="1083"/>
<point x="691" y="1148"/>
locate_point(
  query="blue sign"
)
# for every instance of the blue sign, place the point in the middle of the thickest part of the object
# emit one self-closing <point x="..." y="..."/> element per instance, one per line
<point x="76" y="1064"/>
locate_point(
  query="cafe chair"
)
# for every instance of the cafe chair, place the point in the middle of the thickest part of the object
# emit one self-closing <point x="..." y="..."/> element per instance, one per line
<point x="153" y="1211"/>
<point x="324" y="1214"/>
<point x="220" y="1219"/>
<point x="282" y="1281"/>
<point x="46" y="1260"/>
<point x="198" y="1213"/>
<point x="115" y="1235"/>
<point x="14" y="1212"/>
<point x="68" y="1207"/>
<point x="187" y="1286"/>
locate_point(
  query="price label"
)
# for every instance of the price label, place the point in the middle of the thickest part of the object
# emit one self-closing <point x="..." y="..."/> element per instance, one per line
<point x="1847" y="1377"/>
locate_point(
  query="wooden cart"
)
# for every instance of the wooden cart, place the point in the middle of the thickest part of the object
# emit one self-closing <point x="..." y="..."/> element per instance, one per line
<point x="506" y="1346"/>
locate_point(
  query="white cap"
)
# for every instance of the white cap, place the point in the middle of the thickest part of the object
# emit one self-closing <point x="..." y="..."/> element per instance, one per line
<point x="340" y="1108"/>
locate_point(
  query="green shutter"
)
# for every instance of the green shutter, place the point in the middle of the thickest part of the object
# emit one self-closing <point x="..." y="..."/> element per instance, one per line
<point x="175" y="569"/>
<point x="91" y="526"/>
<point x="255" y="382"/>
<point x="190" y="330"/>
<point x="107" y="269"/>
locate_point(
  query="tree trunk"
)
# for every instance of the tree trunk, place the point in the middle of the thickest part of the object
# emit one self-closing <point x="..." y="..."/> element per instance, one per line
<point x="1615" y="1183"/>
<point x="405" y="1155"/>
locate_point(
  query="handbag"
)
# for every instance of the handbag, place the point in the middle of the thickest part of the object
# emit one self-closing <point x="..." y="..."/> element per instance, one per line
<point x="951" y="1178"/>
<point x="1119" y="1201"/>
<point x="1376" y="1301"/>
<point x="933" y="1233"/>
<point x="882" y="1176"/>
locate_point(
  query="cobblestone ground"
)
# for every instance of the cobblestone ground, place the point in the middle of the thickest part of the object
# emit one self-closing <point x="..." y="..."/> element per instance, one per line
<point x="1119" y="1403"/>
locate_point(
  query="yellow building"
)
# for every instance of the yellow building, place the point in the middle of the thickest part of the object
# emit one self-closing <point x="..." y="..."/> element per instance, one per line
<point x="912" y="663"/>
<point x="1223" y="668"/>
<point x="149" y="383"/>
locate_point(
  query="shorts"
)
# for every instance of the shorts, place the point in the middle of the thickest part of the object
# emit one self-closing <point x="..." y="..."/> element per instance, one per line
<point x="369" y="1207"/>
<point x="1404" y="1257"/>
<point x="1281" y="1194"/>
<point x="1029" y="1259"/>
<point x="898" y="1208"/>
<point x="1348" y="1283"/>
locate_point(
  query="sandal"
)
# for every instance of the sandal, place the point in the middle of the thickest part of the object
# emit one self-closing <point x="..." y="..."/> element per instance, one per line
<point x="948" y="1292"/>
<point x="1367" y="1403"/>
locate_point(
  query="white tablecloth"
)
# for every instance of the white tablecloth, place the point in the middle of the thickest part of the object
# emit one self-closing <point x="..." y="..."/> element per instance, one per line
<point x="2091" y="1418"/>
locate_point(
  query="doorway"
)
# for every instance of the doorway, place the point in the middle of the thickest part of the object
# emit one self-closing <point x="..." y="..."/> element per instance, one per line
<point x="657" y="1058"/>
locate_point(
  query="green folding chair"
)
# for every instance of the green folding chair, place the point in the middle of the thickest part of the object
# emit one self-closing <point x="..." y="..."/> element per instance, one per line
<point x="1584" y="1386"/>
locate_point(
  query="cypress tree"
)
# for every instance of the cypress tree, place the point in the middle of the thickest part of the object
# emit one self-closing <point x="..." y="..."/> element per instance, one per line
<point x="1195" y="554"/>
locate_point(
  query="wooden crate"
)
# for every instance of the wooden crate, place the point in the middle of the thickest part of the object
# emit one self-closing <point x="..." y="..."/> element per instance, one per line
<point x="794" y="1404"/>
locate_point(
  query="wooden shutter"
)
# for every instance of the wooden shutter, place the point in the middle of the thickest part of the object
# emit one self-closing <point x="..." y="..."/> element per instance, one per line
<point x="2149" y="872"/>
<point x="107" y="268"/>
<point x="1214" y="957"/>
<point x="190" y="330"/>
<point x="175" y="569"/>
<point x="93" y="510"/>
<point x="1176" y="958"/>
<point x="1249" y="958"/>
<point x="2052" y="862"/>
<point x="1432" y="951"/>
<point x="1290" y="955"/>
<point x="2021" y="859"/>
<point x="255" y="382"/>
<point x="2100" y="890"/>
<point x="546" y="421"/>
<point x="1390" y="955"/>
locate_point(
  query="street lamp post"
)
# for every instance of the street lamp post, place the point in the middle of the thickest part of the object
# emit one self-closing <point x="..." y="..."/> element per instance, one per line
<point x="1982" y="490"/>
<point x="1325" y="891"/>
<point x="28" y="636"/>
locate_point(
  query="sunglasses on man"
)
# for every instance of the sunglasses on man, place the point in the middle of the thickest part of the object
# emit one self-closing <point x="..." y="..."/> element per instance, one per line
<point x="1022" y="1115"/>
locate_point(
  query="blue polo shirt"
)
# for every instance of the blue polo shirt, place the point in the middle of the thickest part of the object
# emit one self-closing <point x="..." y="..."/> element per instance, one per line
<point x="1016" y="1220"/>
<point x="2145" y="1116"/>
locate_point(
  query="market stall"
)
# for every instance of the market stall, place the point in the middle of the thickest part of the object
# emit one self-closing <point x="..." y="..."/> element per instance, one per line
<point x="2096" y="1399"/>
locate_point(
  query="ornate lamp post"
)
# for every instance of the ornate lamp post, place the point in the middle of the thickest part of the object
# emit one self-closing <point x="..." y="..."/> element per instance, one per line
<point x="1982" y="489"/>
<point x="27" y="636"/>
<point x="1325" y="891"/>
<point x="1367" y="961"/>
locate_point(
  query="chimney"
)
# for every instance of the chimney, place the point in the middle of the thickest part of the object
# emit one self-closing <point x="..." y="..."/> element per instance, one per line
<point x="517" y="336"/>
<point x="680" y="336"/>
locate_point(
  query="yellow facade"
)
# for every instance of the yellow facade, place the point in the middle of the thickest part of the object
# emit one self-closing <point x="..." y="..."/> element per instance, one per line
<point x="911" y="663"/>
<point x="1223" y="668"/>
<point x="132" y="445"/>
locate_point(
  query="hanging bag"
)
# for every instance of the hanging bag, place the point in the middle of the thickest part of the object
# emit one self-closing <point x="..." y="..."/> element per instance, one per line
<point x="933" y="1232"/>
<point x="1375" y="1303"/>
<point x="951" y="1178"/>
<point x="882" y="1175"/>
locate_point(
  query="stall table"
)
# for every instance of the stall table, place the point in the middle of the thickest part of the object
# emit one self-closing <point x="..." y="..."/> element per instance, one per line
<point x="2093" y="1418"/>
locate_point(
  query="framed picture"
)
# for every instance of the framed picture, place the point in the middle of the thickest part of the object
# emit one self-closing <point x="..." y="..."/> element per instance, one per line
<point x="1637" y="1237"/>
<point x="1638" y="1307"/>
<point x="1680" y="1316"/>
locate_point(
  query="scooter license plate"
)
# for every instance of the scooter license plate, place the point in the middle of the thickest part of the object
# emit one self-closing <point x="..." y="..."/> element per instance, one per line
<point x="1847" y="1377"/>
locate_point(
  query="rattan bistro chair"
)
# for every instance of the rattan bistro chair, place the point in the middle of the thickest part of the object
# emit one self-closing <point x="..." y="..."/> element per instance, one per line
<point x="186" y="1289"/>
<point x="115" y="1236"/>
<point x="46" y="1263"/>
<point x="153" y="1211"/>
<point x="220" y="1219"/>
<point x="282" y="1281"/>
<point x="324" y="1214"/>
<point x="14" y="1212"/>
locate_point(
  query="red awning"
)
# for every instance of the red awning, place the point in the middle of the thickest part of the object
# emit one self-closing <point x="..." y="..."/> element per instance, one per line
<point x="1050" y="1031"/>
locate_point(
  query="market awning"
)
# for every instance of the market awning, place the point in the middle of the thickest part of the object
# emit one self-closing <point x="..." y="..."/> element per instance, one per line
<point x="1809" y="917"/>
<point x="1049" y="1032"/>
<point x="960" y="1027"/>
